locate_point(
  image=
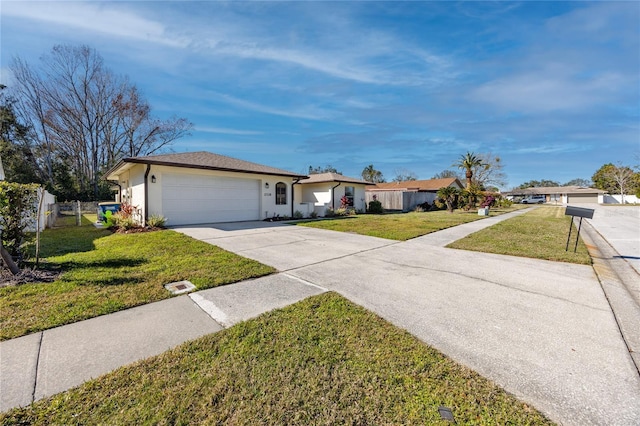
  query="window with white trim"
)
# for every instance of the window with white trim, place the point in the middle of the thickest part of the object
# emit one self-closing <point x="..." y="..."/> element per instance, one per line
<point x="281" y="193"/>
<point x="349" y="192"/>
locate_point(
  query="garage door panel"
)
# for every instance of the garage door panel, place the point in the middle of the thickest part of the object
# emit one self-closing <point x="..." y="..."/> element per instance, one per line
<point x="583" y="198"/>
<point x="192" y="199"/>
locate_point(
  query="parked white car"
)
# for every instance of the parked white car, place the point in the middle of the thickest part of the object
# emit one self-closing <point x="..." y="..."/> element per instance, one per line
<point x="534" y="199"/>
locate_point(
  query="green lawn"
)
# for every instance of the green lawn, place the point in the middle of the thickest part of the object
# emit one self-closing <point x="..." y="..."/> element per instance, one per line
<point x="541" y="234"/>
<point x="321" y="361"/>
<point x="403" y="226"/>
<point x="104" y="273"/>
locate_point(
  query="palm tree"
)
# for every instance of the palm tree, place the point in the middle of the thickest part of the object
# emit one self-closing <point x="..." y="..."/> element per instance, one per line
<point x="448" y="194"/>
<point x="467" y="162"/>
<point x="372" y="175"/>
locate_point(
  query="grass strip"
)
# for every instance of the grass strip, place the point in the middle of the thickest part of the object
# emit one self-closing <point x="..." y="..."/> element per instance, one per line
<point x="403" y="226"/>
<point x="321" y="361"/>
<point x="105" y="273"/>
<point x="540" y="234"/>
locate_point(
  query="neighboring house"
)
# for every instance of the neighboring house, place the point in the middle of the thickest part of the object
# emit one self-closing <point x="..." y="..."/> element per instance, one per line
<point x="202" y="187"/>
<point x="407" y="195"/>
<point x="561" y="194"/>
<point x="325" y="190"/>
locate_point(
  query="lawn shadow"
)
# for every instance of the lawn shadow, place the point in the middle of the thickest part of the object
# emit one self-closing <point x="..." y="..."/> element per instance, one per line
<point x="98" y="273"/>
<point x="109" y="263"/>
<point x="69" y="239"/>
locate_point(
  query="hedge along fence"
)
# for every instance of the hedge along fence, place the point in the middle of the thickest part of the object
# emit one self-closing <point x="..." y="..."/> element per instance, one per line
<point x="18" y="213"/>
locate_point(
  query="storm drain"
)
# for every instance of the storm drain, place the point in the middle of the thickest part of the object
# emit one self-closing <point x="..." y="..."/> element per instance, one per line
<point x="180" y="287"/>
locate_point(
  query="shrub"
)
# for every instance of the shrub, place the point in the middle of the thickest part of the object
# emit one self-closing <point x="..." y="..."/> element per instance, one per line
<point x="342" y="212"/>
<point x="503" y="202"/>
<point x="298" y="214"/>
<point x="424" y="207"/>
<point x="438" y="204"/>
<point x="449" y="197"/>
<point x="329" y="213"/>
<point x="156" y="221"/>
<point x="487" y="202"/>
<point x="344" y="202"/>
<point x="124" y="219"/>
<point x="18" y="207"/>
<point x="313" y="215"/>
<point x="375" y="207"/>
<point x="124" y="222"/>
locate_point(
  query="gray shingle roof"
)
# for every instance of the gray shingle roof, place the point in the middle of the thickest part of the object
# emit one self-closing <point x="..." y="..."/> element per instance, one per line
<point x="205" y="160"/>
<point x="332" y="177"/>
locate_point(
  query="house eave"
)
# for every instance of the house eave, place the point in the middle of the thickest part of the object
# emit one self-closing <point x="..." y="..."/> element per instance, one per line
<point x="126" y="161"/>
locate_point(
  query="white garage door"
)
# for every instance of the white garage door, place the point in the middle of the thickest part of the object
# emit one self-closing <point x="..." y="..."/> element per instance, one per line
<point x="583" y="198"/>
<point x="192" y="199"/>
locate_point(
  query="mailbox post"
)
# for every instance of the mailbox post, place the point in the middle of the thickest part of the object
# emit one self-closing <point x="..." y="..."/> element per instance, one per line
<point x="580" y="212"/>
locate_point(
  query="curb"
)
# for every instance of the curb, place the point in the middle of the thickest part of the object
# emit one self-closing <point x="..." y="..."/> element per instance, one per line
<point x="619" y="284"/>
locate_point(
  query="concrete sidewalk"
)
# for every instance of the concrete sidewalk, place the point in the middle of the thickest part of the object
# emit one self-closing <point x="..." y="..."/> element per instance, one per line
<point x="42" y="364"/>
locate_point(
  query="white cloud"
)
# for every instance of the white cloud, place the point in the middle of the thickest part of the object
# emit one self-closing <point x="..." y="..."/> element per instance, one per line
<point x="93" y="17"/>
<point x="551" y="149"/>
<point x="309" y="113"/>
<point x="550" y="89"/>
<point x="226" y="131"/>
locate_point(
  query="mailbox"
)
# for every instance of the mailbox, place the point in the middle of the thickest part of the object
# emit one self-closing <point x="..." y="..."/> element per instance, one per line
<point x="579" y="212"/>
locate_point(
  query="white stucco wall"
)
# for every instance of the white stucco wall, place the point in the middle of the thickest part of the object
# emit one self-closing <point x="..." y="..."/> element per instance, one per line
<point x="617" y="199"/>
<point x="320" y="195"/>
<point x="132" y="182"/>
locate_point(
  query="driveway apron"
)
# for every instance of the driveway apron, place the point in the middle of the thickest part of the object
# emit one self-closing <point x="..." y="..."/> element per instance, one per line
<point x="542" y="330"/>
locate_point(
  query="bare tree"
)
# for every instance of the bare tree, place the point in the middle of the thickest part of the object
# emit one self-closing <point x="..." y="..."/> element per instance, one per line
<point x="86" y="116"/>
<point x="622" y="176"/>
<point x="403" y="175"/>
<point x="447" y="174"/>
<point x="489" y="171"/>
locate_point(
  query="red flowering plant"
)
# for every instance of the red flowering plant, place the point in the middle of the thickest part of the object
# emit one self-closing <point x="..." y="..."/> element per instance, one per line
<point x="487" y="202"/>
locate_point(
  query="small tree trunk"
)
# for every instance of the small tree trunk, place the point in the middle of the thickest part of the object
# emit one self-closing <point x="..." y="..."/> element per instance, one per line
<point x="8" y="260"/>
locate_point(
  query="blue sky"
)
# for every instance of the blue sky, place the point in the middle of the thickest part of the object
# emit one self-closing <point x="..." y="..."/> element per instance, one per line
<point x="553" y="88"/>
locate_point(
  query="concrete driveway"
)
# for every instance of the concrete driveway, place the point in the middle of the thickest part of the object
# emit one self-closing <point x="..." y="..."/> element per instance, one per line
<point x="542" y="330"/>
<point x="620" y="226"/>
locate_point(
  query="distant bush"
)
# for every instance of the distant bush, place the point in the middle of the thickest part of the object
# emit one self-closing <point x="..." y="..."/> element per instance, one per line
<point x="329" y="213"/>
<point x="424" y="207"/>
<point x="313" y="215"/>
<point x="375" y="207"/>
<point x="503" y="202"/>
<point x="488" y="201"/>
<point x="298" y="214"/>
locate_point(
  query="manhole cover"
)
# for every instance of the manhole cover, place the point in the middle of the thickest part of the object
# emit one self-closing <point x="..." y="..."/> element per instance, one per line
<point x="180" y="287"/>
